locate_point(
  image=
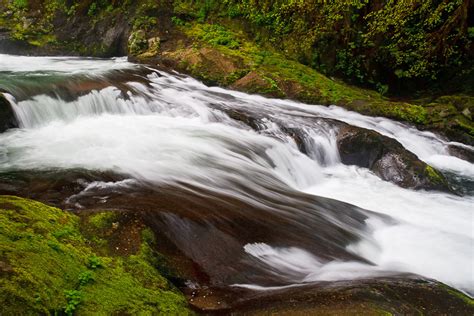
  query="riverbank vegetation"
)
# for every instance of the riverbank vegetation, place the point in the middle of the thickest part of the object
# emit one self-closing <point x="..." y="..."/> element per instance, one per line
<point x="54" y="262"/>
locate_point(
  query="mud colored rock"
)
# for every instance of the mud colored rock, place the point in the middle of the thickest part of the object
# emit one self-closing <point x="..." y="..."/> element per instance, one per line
<point x="208" y="64"/>
<point x="254" y="82"/>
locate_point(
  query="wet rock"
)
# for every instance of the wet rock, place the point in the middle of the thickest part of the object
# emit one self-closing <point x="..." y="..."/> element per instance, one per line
<point x="388" y="159"/>
<point x="253" y="122"/>
<point x="407" y="295"/>
<point x="107" y="37"/>
<point x="297" y="135"/>
<point x="7" y="117"/>
<point x="462" y="152"/>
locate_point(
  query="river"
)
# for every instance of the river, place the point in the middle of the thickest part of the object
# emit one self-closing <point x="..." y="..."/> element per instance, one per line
<point x="242" y="200"/>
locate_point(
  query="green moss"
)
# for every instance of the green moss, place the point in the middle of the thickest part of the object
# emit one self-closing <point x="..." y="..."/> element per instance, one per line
<point x="434" y="175"/>
<point x="102" y="220"/>
<point x="217" y="35"/>
<point x="48" y="266"/>
<point x="465" y="125"/>
<point x="137" y="43"/>
<point x="20" y="4"/>
<point x="469" y="301"/>
<point x="404" y="111"/>
<point x="42" y="40"/>
<point x="131" y="284"/>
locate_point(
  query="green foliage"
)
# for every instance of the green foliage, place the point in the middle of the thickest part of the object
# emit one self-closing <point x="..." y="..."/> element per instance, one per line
<point x="20" y="4"/>
<point x="102" y="219"/>
<point x="378" y="44"/>
<point x="177" y="21"/>
<point x="86" y="277"/>
<point x="350" y="65"/>
<point x="73" y="298"/>
<point x="144" y="23"/>
<point x="92" y="9"/>
<point x="470" y="32"/>
<point x="137" y="43"/>
<point x="95" y="262"/>
<point x="381" y="88"/>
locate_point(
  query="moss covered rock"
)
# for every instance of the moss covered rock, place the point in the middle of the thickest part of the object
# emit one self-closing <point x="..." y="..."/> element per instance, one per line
<point x="48" y="265"/>
<point x="137" y="43"/>
<point x="388" y="159"/>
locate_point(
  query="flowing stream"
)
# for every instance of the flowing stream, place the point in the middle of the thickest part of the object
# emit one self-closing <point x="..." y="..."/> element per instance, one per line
<point x="242" y="200"/>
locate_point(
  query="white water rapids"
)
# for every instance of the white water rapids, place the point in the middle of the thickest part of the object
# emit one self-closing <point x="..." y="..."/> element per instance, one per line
<point x="167" y="129"/>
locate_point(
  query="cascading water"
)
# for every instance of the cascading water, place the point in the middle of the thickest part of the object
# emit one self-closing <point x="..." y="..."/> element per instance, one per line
<point x="165" y="133"/>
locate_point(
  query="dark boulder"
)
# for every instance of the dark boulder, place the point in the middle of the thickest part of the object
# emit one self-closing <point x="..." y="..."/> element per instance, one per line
<point x="7" y="117"/>
<point x="388" y="159"/>
<point x="462" y="152"/>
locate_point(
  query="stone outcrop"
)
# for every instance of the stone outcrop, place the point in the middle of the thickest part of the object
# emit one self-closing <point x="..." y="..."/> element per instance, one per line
<point x="388" y="159"/>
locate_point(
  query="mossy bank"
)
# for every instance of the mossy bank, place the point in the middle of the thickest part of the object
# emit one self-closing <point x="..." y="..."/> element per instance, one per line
<point x="222" y="54"/>
<point x="54" y="262"/>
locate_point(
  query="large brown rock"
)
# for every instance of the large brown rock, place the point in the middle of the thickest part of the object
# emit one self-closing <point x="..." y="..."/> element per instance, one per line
<point x="388" y="159"/>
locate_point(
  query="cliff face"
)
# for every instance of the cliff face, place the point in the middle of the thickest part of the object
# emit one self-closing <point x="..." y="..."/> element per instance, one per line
<point x="278" y="48"/>
<point x="56" y="27"/>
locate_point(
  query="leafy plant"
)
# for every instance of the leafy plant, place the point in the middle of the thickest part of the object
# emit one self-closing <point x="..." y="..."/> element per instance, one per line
<point x="86" y="277"/>
<point x="92" y="9"/>
<point x="20" y="4"/>
<point x="177" y="21"/>
<point x="144" y="23"/>
<point x="73" y="298"/>
<point x="95" y="262"/>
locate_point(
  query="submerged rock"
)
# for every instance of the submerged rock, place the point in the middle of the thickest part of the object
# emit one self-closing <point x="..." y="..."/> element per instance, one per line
<point x="388" y="159"/>
<point x="462" y="152"/>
